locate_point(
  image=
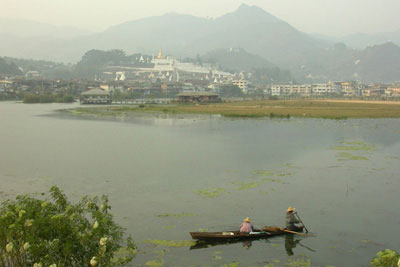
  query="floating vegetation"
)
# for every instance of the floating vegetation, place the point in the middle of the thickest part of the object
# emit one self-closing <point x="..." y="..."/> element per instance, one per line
<point x="244" y="186"/>
<point x="217" y="258"/>
<point x="233" y="264"/>
<point x="285" y="174"/>
<point x="354" y="146"/>
<point x="264" y="172"/>
<point x="300" y="262"/>
<point x="290" y="166"/>
<point x="276" y="245"/>
<point x="177" y="215"/>
<point x="154" y="263"/>
<point x="171" y="243"/>
<point x="211" y="193"/>
<point x="342" y="156"/>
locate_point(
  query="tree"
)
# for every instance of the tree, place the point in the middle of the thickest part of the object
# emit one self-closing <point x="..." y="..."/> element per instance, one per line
<point x="231" y="90"/>
<point x="386" y="258"/>
<point x="36" y="232"/>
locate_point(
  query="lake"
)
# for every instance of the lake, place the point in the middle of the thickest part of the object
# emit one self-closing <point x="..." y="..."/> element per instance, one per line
<point x="169" y="175"/>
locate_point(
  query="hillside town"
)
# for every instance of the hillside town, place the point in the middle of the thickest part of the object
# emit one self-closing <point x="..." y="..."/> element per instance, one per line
<point x="168" y="77"/>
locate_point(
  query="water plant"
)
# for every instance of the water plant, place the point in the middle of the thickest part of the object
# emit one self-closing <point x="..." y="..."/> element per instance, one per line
<point x="264" y="172"/>
<point x="299" y="262"/>
<point x="354" y="146"/>
<point x="244" y="186"/>
<point x="348" y="156"/>
<point x="171" y="243"/>
<point x="154" y="263"/>
<point x="211" y="193"/>
<point x="42" y="232"/>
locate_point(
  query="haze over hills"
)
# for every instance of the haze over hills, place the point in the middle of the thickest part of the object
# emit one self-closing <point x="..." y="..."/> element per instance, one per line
<point x="362" y="40"/>
<point x="27" y="28"/>
<point x="265" y="38"/>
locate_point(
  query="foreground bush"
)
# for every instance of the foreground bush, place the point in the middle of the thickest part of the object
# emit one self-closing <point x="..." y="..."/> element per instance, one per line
<point x="35" y="232"/>
<point x="386" y="258"/>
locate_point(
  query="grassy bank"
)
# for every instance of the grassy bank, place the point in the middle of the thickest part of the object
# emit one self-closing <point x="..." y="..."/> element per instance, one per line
<point x="266" y="108"/>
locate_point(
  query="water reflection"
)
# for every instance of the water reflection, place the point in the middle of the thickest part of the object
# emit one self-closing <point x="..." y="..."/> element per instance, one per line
<point x="290" y="244"/>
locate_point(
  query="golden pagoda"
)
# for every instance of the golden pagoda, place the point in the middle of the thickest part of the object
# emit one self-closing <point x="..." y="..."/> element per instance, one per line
<point x="160" y="56"/>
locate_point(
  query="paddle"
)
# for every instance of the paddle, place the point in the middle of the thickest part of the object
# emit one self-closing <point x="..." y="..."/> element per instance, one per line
<point x="298" y="217"/>
<point x="304" y="246"/>
<point x="296" y="233"/>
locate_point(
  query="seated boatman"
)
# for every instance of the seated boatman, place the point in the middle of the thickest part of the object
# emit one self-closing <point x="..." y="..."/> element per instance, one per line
<point x="292" y="223"/>
<point x="246" y="227"/>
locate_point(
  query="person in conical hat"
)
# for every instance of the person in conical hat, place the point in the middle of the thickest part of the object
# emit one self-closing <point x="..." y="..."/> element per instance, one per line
<point x="291" y="220"/>
<point x="246" y="227"/>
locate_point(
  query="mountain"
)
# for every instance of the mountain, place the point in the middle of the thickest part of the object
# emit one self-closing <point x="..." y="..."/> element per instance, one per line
<point x="379" y="63"/>
<point x="27" y="28"/>
<point x="363" y="40"/>
<point x="236" y="60"/>
<point x="267" y="40"/>
<point x="8" y="68"/>
<point x="249" y="27"/>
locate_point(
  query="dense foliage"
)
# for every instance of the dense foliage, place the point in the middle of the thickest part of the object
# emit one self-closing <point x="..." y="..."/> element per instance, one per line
<point x="48" y="98"/>
<point x="386" y="258"/>
<point x="36" y="232"/>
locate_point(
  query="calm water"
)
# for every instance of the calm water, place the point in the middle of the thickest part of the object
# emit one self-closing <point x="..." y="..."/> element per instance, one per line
<point x="152" y="166"/>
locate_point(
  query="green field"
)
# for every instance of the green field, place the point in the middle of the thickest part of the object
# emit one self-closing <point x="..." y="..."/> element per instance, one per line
<point x="333" y="109"/>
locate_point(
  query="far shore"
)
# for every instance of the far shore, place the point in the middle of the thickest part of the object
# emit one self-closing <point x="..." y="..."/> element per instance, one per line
<point x="329" y="109"/>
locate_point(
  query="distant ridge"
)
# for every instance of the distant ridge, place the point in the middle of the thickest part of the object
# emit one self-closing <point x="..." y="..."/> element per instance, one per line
<point x="266" y="38"/>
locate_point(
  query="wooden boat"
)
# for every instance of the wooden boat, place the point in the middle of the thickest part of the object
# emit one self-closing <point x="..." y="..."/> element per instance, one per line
<point x="267" y="231"/>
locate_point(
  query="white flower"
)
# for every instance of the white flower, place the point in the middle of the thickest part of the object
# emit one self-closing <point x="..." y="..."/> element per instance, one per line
<point x="37" y="265"/>
<point x="9" y="247"/>
<point x="103" y="241"/>
<point x="93" y="261"/>
<point x="28" y="223"/>
<point x="21" y="213"/>
<point x="95" y="225"/>
<point x="27" y="246"/>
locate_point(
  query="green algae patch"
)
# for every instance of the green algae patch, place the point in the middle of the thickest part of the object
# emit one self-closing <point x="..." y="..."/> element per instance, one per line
<point x="176" y="215"/>
<point x="154" y="263"/>
<point x="244" y="186"/>
<point x="300" y="262"/>
<point x="354" y="146"/>
<point x="285" y="174"/>
<point x="211" y="193"/>
<point x="343" y="156"/>
<point x="233" y="264"/>
<point x="171" y="243"/>
<point x="264" y="172"/>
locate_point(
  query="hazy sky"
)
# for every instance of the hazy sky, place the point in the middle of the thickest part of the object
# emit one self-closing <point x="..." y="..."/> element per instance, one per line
<point x="333" y="17"/>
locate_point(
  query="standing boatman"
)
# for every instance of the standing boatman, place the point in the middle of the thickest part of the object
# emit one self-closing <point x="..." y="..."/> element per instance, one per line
<point x="292" y="223"/>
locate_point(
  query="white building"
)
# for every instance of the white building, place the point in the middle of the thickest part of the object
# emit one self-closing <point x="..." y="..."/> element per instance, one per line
<point x="324" y="89"/>
<point x="242" y="84"/>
